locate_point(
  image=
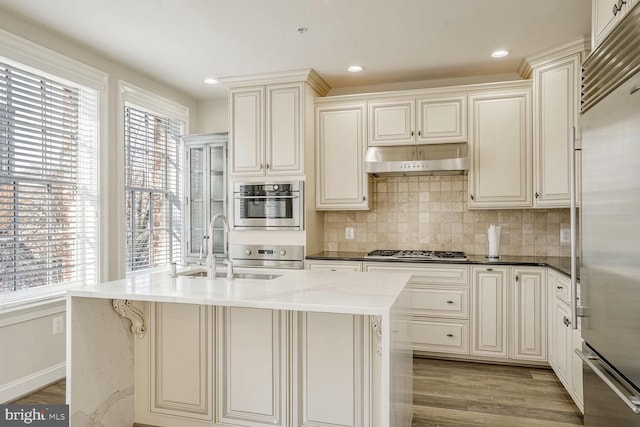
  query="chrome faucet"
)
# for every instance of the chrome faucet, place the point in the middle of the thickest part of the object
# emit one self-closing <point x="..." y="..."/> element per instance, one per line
<point x="211" y="257"/>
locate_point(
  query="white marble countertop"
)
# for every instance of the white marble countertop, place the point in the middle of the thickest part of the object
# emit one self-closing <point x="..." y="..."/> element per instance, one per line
<point x="298" y="290"/>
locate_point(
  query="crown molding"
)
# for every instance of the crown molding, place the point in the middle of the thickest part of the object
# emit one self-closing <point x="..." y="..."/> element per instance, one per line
<point x="579" y="45"/>
<point x="307" y="75"/>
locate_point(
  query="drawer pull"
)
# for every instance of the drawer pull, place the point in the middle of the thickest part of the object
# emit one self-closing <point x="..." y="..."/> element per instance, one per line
<point x="560" y="287"/>
<point x="489" y="269"/>
<point x="450" y="335"/>
<point x="450" y="302"/>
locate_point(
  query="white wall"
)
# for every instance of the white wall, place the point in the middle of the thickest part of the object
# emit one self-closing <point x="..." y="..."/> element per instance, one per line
<point x="213" y="115"/>
<point x="30" y="355"/>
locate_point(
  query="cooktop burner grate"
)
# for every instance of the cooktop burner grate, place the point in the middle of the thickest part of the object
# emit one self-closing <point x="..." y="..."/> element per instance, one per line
<point x="418" y="255"/>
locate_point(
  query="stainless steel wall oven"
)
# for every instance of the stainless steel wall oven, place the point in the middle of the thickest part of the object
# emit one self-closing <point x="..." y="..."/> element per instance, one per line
<point x="268" y="206"/>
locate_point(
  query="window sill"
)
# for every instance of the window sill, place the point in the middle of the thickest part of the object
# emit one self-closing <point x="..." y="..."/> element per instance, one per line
<point x="33" y="298"/>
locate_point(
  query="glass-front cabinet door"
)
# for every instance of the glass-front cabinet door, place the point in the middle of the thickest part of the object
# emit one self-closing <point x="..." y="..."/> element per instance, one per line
<point x="206" y="183"/>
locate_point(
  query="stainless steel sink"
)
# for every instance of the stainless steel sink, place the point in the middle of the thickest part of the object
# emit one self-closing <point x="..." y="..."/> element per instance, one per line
<point x="223" y="275"/>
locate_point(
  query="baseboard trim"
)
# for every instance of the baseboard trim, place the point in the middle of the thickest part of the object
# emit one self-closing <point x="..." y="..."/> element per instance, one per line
<point x="27" y="385"/>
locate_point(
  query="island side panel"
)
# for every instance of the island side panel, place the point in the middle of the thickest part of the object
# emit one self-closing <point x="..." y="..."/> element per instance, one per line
<point x="100" y="377"/>
<point x="400" y="356"/>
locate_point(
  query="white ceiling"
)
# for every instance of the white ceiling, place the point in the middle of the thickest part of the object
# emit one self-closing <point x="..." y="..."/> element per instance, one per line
<point x="181" y="42"/>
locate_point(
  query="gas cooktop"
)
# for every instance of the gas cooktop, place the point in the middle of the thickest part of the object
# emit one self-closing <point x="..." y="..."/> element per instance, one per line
<point x="418" y="255"/>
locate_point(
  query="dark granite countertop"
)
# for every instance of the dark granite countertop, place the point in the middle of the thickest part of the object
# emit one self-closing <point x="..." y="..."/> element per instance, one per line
<point x="560" y="264"/>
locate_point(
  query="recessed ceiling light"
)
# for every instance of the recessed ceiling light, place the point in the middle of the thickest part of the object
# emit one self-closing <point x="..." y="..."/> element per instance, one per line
<point x="499" y="53"/>
<point x="211" y="81"/>
<point x="355" y="69"/>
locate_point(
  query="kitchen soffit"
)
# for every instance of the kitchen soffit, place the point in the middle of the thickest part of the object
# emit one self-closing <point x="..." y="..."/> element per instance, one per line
<point x="181" y="42"/>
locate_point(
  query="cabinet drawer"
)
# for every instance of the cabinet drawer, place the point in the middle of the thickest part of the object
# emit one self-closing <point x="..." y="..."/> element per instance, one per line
<point x="563" y="288"/>
<point x="335" y="266"/>
<point x="440" y="302"/>
<point x="442" y="336"/>
<point x="426" y="275"/>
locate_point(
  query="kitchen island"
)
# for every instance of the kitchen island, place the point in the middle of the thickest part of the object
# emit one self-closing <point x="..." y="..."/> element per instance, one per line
<point x="307" y="348"/>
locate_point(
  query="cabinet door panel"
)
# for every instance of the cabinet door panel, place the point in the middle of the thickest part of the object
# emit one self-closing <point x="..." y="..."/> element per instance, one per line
<point x="333" y="346"/>
<point x="562" y="343"/>
<point x="500" y="143"/>
<point x="247" y="131"/>
<point x="391" y="122"/>
<point x="252" y="367"/>
<point x="181" y="341"/>
<point x="489" y="311"/>
<point x="440" y="335"/>
<point x="442" y="120"/>
<point x="341" y="181"/>
<point x="284" y="131"/>
<point x="530" y="314"/>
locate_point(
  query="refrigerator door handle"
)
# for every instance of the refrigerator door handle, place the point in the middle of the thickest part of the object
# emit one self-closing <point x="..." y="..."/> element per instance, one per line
<point x="574" y="145"/>
<point x="632" y="401"/>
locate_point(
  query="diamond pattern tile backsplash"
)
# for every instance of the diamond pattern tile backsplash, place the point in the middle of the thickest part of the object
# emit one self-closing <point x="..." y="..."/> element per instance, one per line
<point x="431" y="213"/>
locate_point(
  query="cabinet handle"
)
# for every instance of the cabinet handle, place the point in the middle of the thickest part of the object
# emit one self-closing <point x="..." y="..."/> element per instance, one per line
<point x="559" y="287"/>
<point x="537" y="195"/>
<point x="267" y="165"/>
<point x="516" y="277"/>
<point x="449" y="302"/>
<point x="450" y="335"/>
<point x="489" y="269"/>
<point x="471" y="196"/>
<point x="565" y="321"/>
<point x="364" y="198"/>
<point x="411" y="133"/>
<point x="261" y="166"/>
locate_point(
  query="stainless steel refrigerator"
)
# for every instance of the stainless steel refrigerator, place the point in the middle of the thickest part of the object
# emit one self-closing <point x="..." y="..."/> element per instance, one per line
<point x="610" y="228"/>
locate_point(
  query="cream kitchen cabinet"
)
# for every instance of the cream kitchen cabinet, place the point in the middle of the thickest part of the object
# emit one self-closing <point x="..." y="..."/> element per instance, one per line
<point x="252" y="344"/>
<point x="177" y="354"/>
<point x="489" y="311"/>
<point x="353" y="266"/>
<point x="605" y="15"/>
<point x="529" y="299"/>
<point x="500" y="147"/>
<point x="509" y="313"/>
<point x="266" y="130"/>
<point x="563" y="339"/>
<point x="556" y="104"/>
<point x="440" y="311"/>
<point x="348" y="400"/>
<point x="421" y="120"/>
<point x="341" y="183"/>
<point x="271" y="123"/>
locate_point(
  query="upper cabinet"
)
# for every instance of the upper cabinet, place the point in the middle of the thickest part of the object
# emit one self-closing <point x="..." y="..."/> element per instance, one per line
<point x="341" y="183"/>
<point x="556" y="103"/>
<point x="418" y="120"/>
<point x="271" y="122"/>
<point x="605" y="15"/>
<point x="500" y="146"/>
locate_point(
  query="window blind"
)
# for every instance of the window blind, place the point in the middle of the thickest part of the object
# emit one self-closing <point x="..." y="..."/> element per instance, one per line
<point x="153" y="188"/>
<point x="48" y="181"/>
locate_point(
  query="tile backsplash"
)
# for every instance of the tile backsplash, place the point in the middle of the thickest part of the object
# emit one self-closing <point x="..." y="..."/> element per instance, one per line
<point x="431" y="213"/>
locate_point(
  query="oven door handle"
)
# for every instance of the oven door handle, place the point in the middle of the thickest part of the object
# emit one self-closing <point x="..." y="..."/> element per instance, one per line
<point x="633" y="402"/>
<point x="265" y="197"/>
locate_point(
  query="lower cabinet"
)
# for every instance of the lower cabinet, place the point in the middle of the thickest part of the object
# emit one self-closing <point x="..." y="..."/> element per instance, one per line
<point x="252" y="367"/>
<point x="564" y="339"/>
<point x="489" y="311"/>
<point x="211" y="366"/>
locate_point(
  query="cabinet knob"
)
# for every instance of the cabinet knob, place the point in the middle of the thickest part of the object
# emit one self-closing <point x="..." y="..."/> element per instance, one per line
<point x="261" y="166"/>
<point x="471" y="196"/>
<point x="559" y="287"/>
<point x="450" y="335"/>
<point x="411" y="133"/>
<point x="268" y="166"/>
<point x="517" y="278"/>
<point x="419" y="133"/>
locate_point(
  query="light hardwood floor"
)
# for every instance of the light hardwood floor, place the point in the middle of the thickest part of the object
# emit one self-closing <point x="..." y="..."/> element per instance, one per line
<point x="448" y="393"/>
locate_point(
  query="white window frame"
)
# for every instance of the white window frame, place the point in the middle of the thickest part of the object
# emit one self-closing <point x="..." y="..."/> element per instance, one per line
<point x="129" y="94"/>
<point x="30" y="56"/>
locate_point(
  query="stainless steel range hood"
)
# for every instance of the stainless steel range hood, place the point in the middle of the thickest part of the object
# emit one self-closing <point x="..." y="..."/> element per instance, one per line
<point x="433" y="159"/>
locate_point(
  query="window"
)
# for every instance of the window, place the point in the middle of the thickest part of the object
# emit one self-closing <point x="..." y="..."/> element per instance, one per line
<point x="153" y="180"/>
<point x="48" y="180"/>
